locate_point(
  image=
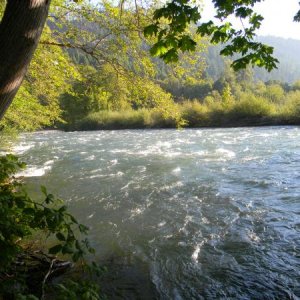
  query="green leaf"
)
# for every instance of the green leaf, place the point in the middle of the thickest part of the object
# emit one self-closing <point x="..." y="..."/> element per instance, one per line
<point x="76" y="256"/>
<point x="158" y="49"/>
<point x="29" y="211"/>
<point x="83" y="228"/>
<point x="49" y="199"/>
<point x="60" y="236"/>
<point x="150" y="30"/>
<point x="170" y="56"/>
<point x="67" y="249"/>
<point x="55" y="249"/>
<point x="73" y="219"/>
<point x="44" y="190"/>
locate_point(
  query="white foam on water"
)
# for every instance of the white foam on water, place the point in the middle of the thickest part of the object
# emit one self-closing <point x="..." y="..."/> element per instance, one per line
<point x="164" y="144"/>
<point x="118" y="174"/>
<point x="119" y="151"/>
<point x="172" y="154"/>
<point x="135" y="212"/>
<point x="176" y="170"/>
<point x="253" y="236"/>
<point x="113" y="162"/>
<point x="226" y="153"/>
<point x="91" y="157"/>
<point x="49" y="163"/>
<point x="127" y="185"/>
<point x="95" y="171"/>
<point x="196" y="253"/>
<point x="90" y="216"/>
<point x="161" y="224"/>
<point x="205" y="220"/>
<point x="168" y="236"/>
<point x="197" y="250"/>
<point x="200" y="153"/>
<point x="250" y="204"/>
<point x="22" y="148"/>
<point x="187" y="220"/>
<point x="97" y="176"/>
<point x="34" y="171"/>
<point x="66" y="151"/>
<point x="249" y="158"/>
<point x="171" y="186"/>
<point x="143" y="169"/>
<point x="182" y="244"/>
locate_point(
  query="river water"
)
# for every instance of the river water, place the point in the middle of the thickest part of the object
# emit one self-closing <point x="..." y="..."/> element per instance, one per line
<point x="211" y="213"/>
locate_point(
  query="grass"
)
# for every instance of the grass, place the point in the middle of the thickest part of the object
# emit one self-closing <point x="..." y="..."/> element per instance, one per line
<point x="128" y="119"/>
<point x="246" y="110"/>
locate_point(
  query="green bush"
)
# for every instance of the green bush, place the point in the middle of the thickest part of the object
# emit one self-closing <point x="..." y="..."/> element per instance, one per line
<point x="290" y="111"/>
<point x="227" y="109"/>
<point x="21" y="217"/>
<point x="195" y="113"/>
<point x="128" y="119"/>
<point x="251" y="106"/>
<point x="113" y="120"/>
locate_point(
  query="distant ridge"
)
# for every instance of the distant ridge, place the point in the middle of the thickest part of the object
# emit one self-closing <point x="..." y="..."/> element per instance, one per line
<point x="287" y="51"/>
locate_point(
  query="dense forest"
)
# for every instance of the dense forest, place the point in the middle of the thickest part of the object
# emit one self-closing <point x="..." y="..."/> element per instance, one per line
<point x="93" y="70"/>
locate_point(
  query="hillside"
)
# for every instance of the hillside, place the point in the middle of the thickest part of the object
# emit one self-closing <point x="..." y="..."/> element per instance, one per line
<point x="286" y="50"/>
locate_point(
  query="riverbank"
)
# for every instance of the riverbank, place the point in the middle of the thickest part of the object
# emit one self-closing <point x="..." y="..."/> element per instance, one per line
<point x="193" y="118"/>
<point x="226" y="111"/>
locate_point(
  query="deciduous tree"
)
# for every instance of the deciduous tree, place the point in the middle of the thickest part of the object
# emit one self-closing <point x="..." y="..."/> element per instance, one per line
<point x="23" y="22"/>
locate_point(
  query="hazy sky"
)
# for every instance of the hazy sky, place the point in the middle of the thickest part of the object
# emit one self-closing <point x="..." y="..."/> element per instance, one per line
<point x="278" y="16"/>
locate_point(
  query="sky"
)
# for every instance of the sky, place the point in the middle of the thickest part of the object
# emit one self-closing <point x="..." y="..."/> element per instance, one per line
<point x="278" y="17"/>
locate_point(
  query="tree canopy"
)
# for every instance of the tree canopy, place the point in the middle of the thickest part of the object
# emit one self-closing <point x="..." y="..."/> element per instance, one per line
<point x="111" y="34"/>
<point x="171" y="21"/>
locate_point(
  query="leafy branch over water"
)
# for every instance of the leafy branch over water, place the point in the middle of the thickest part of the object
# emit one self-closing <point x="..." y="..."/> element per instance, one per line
<point x="20" y="218"/>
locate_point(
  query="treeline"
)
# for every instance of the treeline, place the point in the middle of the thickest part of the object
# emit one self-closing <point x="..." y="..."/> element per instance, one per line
<point x="93" y="70"/>
<point x="263" y="104"/>
<point x="285" y="50"/>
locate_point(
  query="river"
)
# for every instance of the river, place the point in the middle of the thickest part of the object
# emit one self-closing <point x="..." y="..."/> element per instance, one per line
<point x="209" y="214"/>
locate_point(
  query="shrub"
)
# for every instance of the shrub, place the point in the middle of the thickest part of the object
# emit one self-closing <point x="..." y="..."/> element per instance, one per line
<point x="113" y="120"/>
<point x="251" y="106"/>
<point x="128" y="119"/>
<point x="21" y="217"/>
<point x="195" y="113"/>
<point x="290" y="111"/>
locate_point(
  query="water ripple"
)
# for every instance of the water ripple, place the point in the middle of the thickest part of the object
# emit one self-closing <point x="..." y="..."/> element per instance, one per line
<point x="214" y="213"/>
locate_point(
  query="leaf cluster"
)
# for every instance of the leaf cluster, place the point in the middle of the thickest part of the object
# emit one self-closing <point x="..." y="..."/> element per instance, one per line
<point x="21" y="217"/>
<point x="170" y="24"/>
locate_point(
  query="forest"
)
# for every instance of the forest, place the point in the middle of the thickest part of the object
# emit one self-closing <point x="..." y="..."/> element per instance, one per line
<point x="111" y="81"/>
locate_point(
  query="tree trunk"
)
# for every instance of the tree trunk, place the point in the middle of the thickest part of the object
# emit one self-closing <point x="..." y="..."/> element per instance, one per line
<point x="20" y="30"/>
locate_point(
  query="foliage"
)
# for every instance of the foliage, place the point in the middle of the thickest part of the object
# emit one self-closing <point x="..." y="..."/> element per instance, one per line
<point x="170" y="24"/>
<point x="21" y="217"/>
<point x="130" y="119"/>
<point x="93" y="62"/>
<point x="250" y="107"/>
<point x="36" y="104"/>
<point x="245" y="104"/>
<point x="73" y="290"/>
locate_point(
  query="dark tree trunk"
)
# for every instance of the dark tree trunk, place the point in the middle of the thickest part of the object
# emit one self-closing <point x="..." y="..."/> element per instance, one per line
<point x="20" y="30"/>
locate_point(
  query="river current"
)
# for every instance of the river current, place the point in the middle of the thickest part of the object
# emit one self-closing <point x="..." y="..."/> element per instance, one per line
<point x="210" y="213"/>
